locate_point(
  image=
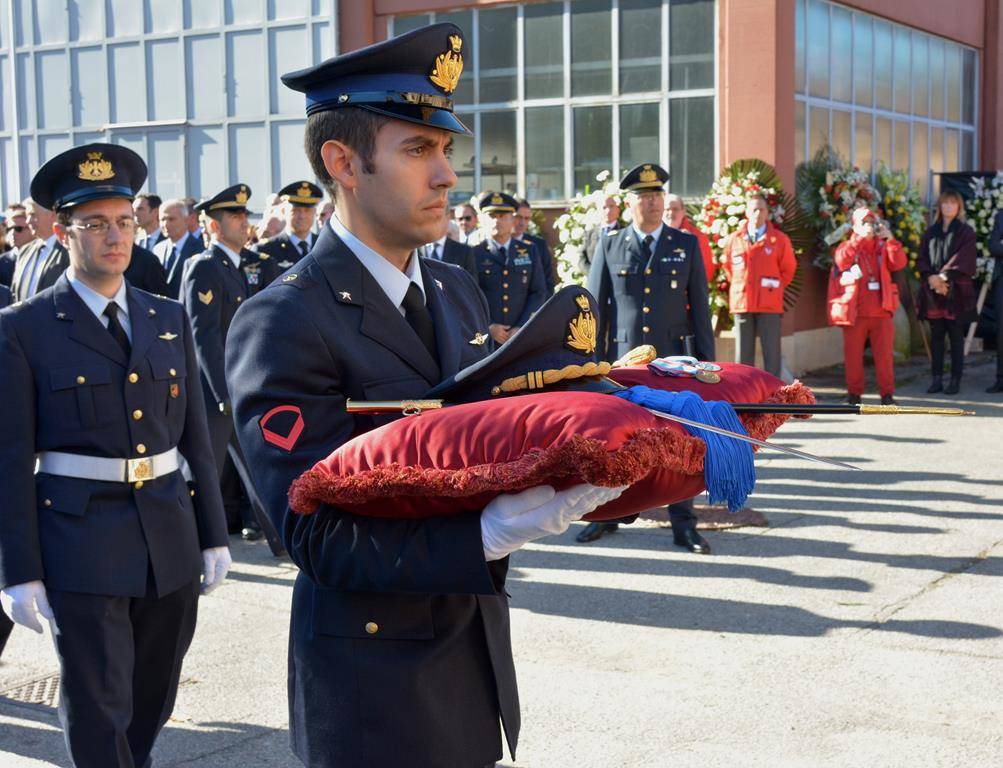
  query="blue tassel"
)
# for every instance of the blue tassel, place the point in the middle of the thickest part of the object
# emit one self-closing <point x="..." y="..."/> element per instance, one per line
<point x="729" y="471"/>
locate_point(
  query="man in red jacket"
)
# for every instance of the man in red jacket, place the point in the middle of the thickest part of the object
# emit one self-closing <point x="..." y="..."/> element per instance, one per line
<point x="760" y="264"/>
<point x="865" y="300"/>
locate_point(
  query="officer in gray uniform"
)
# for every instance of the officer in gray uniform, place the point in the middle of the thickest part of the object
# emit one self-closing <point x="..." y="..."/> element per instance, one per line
<point x="651" y="287"/>
<point x="106" y="540"/>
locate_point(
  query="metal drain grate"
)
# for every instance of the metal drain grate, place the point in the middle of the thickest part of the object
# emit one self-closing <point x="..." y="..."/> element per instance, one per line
<point x="43" y="691"/>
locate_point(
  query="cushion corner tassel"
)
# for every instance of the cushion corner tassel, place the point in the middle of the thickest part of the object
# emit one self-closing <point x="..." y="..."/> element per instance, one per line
<point x="729" y="470"/>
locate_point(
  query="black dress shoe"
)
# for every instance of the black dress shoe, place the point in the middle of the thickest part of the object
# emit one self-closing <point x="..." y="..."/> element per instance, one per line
<point x="594" y="531"/>
<point x="997" y="387"/>
<point x="853" y="399"/>
<point x="251" y="533"/>
<point x="693" y="541"/>
<point x="887" y="400"/>
<point x="953" y="387"/>
<point x="936" y="385"/>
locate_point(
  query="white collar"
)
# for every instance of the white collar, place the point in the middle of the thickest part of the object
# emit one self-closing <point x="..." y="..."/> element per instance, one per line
<point x="296" y="240"/>
<point x="641" y="235"/>
<point x="50" y="242"/>
<point x="506" y="245"/>
<point x="393" y="282"/>
<point x="234" y="257"/>
<point x="96" y="302"/>
<point x="180" y="243"/>
<point x="441" y="242"/>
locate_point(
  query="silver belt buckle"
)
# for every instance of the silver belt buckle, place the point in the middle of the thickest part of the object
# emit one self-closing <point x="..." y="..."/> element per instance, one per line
<point x="139" y="469"/>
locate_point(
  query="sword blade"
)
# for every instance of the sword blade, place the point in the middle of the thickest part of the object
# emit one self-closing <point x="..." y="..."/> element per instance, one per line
<point x="754" y="441"/>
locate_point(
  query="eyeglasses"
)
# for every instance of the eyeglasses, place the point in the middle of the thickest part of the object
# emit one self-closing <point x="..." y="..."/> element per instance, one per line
<point x="464" y="218"/>
<point x="19" y="227"/>
<point x="125" y="226"/>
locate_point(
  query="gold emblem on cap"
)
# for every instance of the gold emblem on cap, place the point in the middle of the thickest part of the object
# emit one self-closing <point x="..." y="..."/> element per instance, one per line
<point x="582" y="329"/>
<point x="497" y="200"/>
<point x="582" y="302"/>
<point x="648" y="174"/>
<point x="241" y="196"/>
<point x="95" y="168"/>
<point x="448" y="66"/>
<point x="304" y="190"/>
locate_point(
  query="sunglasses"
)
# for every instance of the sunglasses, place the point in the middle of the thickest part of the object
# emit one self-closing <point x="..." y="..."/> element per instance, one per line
<point x="18" y="227"/>
<point x="465" y="218"/>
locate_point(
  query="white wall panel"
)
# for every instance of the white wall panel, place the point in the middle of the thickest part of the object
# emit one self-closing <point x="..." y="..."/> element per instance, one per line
<point x="163" y="16"/>
<point x="165" y="158"/>
<point x="249" y="159"/>
<point x="53" y="92"/>
<point x="125" y="18"/>
<point x="207" y="167"/>
<point x="90" y="87"/>
<point x="289" y="51"/>
<point x="127" y="83"/>
<point x="164" y="72"/>
<point x="289" y="161"/>
<point x="206" y="99"/>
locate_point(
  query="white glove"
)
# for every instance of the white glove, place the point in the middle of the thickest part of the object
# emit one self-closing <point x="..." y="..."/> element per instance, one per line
<point x="850" y="276"/>
<point x="23" y="603"/>
<point x="511" y="520"/>
<point x="215" y="565"/>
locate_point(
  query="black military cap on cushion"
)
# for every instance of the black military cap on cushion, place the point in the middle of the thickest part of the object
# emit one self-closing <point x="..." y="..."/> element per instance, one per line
<point x="301" y="193"/>
<point x="497" y="201"/>
<point x="555" y="350"/>
<point x="232" y="199"/>
<point x="88" y="172"/>
<point x="410" y="77"/>
<point x="644" y="177"/>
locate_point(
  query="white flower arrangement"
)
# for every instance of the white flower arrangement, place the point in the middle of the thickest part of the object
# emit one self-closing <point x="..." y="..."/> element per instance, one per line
<point x="987" y="198"/>
<point x="585" y="213"/>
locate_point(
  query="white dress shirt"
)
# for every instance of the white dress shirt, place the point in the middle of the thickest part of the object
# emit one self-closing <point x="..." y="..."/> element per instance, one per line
<point x="97" y="303"/>
<point x="393" y="282"/>
<point x="641" y="235"/>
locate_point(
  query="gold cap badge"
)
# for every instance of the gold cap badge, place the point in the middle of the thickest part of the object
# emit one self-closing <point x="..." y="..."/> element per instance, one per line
<point x="582" y="302"/>
<point x="582" y="329"/>
<point x="95" y="168"/>
<point x="448" y="66"/>
<point x="304" y="190"/>
<point x="497" y="200"/>
<point x="648" y="174"/>
<point x="241" y="196"/>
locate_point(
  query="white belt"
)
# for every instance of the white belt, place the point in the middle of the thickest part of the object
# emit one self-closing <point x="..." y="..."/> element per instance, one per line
<point x="109" y="470"/>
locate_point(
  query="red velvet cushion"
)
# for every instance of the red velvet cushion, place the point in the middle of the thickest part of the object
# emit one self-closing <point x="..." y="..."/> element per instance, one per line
<point x="459" y="458"/>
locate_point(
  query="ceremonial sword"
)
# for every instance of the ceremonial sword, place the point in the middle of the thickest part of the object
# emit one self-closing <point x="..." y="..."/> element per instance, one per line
<point x="415" y="407"/>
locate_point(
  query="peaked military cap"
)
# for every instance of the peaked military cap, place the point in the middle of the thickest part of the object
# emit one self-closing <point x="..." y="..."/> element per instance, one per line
<point x="497" y="201"/>
<point x="644" y="177"/>
<point x="411" y="78"/>
<point x="555" y="349"/>
<point x="301" y="193"/>
<point x="88" y="172"/>
<point x="232" y="199"/>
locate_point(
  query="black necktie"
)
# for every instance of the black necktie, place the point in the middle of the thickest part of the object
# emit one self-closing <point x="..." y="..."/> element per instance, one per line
<point x="420" y="319"/>
<point x="304" y="247"/>
<point x="648" y="240"/>
<point x="503" y="254"/>
<point x="170" y="260"/>
<point x="435" y="253"/>
<point x="115" y="328"/>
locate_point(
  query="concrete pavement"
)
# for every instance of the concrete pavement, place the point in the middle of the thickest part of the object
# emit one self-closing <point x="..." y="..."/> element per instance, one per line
<point x="862" y="628"/>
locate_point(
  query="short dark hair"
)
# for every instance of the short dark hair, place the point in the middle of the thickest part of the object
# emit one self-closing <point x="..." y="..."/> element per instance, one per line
<point x="64" y="217"/>
<point x="152" y="200"/>
<point x="353" y="126"/>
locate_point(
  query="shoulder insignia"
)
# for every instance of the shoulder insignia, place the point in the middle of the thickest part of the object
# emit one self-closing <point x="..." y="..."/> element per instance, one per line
<point x="287" y="441"/>
<point x="289" y="278"/>
<point x="168" y="336"/>
<point x="285" y="264"/>
<point x="345" y="295"/>
<point x="60" y="315"/>
<point x="205" y="298"/>
<point x="479" y="339"/>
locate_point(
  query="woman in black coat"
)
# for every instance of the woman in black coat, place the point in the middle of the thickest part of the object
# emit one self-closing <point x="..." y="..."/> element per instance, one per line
<point x="946" y="264"/>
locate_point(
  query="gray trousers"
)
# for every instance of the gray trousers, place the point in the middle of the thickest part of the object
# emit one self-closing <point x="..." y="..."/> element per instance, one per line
<point x="765" y="325"/>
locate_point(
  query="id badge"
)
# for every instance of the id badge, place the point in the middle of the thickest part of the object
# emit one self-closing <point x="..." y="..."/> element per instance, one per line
<point x="874" y="285"/>
<point x="770" y="282"/>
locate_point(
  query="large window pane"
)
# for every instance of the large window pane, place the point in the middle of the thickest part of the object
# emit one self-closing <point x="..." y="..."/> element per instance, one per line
<point x="691" y="49"/>
<point x="463" y="163"/>
<point x="496" y="32"/>
<point x="640" y="45"/>
<point x="863" y="149"/>
<point x="920" y="76"/>
<point x="464" y="93"/>
<point x="593" y="148"/>
<point x="936" y="150"/>
<point x="799" y="132"/>
<point x="842" y="43"/>
<point x="591" y="70"/>
<point x="968" y="90"/>
<point x="920" y="157"/>
<point x="936" y="79"/>
<point x="544" y="46"/>
<point x="902" y="69"/>
<point x="967" y="151"/>
<point x="841" y="133"/>
<point x="951" y="150"/>
<point x="953" y="82"/>
<point x="900" y="156"/>
<point x="882" y="141"/>
<point x="545" y="153"/>
<point x="404" y="24"/>
<point x="638" y="135"/>
<point x="800" y="76"/>
<point x="863" y="60"/>
<point x="691" y="153"/>
<point x="819" y="129"/>
<point x="498" y="169"/>
<point x="818" y="49"/>
<point x="882" y="65"/>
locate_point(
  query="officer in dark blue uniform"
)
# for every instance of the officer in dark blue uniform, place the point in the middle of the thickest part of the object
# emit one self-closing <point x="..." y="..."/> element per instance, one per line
<point x="414" y="611"/>
<point x="4" y="296"/>
<point x="296" y="240"/>
<point x="508" y="270"/>
<point x="106" y="540"/>
<point x="213" y="287"/>
<point x="650" y="283"/>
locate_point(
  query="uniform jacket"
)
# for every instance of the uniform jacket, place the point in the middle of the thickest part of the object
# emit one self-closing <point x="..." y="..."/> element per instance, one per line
<point x="193" y="247"/>
<point x="146" y="272"/>
<point x="456" y="253"/>
<point x="67" y="386"/>
<point x="657" y="300"/>
<point x="259" y="269"/>
<point x="212" y="289"/>
<point x="4" y="296"/>
<point x="589" y="244"/>
<point x="546" y="259"/>
<point x="55" y="264"/>
<point x="759" y="272"/>
<point x="710" y="268"/>
<point x="844" y="300"/>
<point x="431" y="682"/>
<point x="513" y="286"/>
<point x="7" y="261"/>
<point x="282" y="250"/>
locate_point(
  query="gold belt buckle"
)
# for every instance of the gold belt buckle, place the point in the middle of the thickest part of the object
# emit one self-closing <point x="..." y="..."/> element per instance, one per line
<point x="140" y="469"/>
